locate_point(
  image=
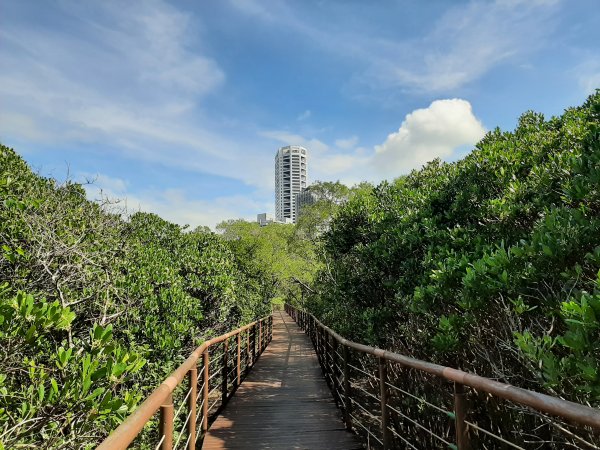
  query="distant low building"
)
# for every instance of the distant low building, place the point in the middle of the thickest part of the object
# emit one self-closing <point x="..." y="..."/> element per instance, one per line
<point x="265" y="219"/>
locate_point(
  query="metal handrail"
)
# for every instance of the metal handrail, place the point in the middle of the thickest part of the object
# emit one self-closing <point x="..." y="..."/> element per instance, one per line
<point x="579" y="414"/>
<point x="162" y="397"/>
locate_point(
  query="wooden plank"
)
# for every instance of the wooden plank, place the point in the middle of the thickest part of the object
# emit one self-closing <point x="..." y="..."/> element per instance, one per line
<point x="284" y="402"/>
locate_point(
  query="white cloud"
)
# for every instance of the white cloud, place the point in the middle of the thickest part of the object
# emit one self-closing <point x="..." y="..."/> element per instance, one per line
<point x="425" y="134"/>
<point x="347" y="143"/>
<point x="173" y="205"/>
<point x="130" y="80"/>
<point x="467" y="41"/>
<point x="94" y="183"/>
<point x="305" y="115"/>
<point x="588" y="75"/>
<point x="315" y="146"/>
<point x="470" y="40"/>
<point x="428" y="133"/>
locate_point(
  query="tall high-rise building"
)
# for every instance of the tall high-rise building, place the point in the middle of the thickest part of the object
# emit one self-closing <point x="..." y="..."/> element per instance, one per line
<point x="291" y="175"/>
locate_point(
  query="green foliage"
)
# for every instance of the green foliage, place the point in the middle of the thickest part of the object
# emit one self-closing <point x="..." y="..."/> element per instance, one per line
<point x="89" y="297"/>
<point x="269" y="254"/>
<point x="490" y="263"/>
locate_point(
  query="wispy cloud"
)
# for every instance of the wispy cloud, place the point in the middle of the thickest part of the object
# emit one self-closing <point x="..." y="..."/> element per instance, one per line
<point x="466" y="41"/>
<point x="305" y="115"/>
<point x="347" y="143"/>
<point x="469" y="41"/>
<point x="316" y="146"/>
<point x="126" y="79"/>
<point x="587" y="74"/>
<point x="174" y="205"/>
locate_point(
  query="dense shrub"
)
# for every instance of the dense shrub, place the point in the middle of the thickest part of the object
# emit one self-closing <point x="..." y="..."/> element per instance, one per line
<point x="490" y="263"/>
<point x="88" y="298"/>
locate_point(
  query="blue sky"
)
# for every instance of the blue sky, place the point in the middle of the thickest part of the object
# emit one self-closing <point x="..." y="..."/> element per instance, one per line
<point x="179" y="107"/>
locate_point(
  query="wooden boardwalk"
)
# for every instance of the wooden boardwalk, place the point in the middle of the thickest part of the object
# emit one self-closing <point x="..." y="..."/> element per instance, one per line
<point x="284" y="403"/>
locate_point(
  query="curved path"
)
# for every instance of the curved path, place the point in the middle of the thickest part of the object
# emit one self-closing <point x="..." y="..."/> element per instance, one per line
<point x="284" y="403"/>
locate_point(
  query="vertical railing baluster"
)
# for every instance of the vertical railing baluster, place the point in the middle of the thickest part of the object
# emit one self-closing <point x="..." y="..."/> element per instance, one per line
<point x="238" y="372"/>
<point x="460" y="415"/>
<point x="317" y="342"/>
<point x="166" y="423"/>
<point x="206" y="381"/>
<point x="224" y="372"/>
<point x="347" y="388"/>
<point x="327" y="356"/>
<point x="253" y="344"/>
<point x="248" y="352"/>
<point x="193" y="379"/>
<point x="260" y="337"/>
<point x="385" y="414"/>
<point x="334" y="364"/>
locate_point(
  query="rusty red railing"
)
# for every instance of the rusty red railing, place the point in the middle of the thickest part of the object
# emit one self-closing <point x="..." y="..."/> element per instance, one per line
<point x="369" y="386"/>
<point x="226" y="360"/>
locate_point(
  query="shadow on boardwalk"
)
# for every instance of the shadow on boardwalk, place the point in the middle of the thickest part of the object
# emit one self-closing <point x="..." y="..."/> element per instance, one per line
<point x="284" y="403"/>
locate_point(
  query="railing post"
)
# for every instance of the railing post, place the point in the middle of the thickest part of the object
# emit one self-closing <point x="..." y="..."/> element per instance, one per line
<point x="327" y="356"/>
<point x="224" y="372"/>
<point x="347" y="387"/>
<point x="193" y="379"/>
<point x="166" y="423"/>
<point x="318" y="343"/>
<point x="270" y="328"/>
<point x="205" y="391"/>
<point x="334" y="364"/>
<point x="238" y="372"/>
<point x="460" y="414"/>
<point x="248" y="353"/>
<point x="260" y="342"/>
<point x="383" y="394"/>
<point x="253" y="344"/>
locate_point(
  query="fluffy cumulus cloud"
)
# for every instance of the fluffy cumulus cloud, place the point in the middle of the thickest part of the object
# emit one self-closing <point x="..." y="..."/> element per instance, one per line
<point x="437" y="131"/>
<point x="428" y="133"/>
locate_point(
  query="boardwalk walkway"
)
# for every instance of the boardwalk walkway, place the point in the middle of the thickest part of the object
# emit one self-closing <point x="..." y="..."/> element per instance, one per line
<point x="284" y="403"/>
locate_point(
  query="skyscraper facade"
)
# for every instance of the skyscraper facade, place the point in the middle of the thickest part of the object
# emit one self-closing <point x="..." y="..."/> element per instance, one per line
<point x="291" y="176"/>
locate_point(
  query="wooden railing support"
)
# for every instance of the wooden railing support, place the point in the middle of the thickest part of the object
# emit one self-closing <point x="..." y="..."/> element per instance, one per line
<point x="253" y="344"/>
<point x="193" y="380"/>
<point x="460" y="415"/>
<point x="383" y="396"/>
<point x="238" y="371"/>
<point x="224" y="372"/>
<point x="205" y="390"/>
<point x="347" y="389"/>
<point x="248" y="352"/>
<point x="334" y="365"/>
<point x="166" y="423"/>
<point x="260" y="336"/>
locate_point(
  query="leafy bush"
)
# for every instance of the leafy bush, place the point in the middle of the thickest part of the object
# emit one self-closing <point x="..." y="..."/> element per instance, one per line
<point x="89" y="297"/>
<point x="490" y="263"/>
